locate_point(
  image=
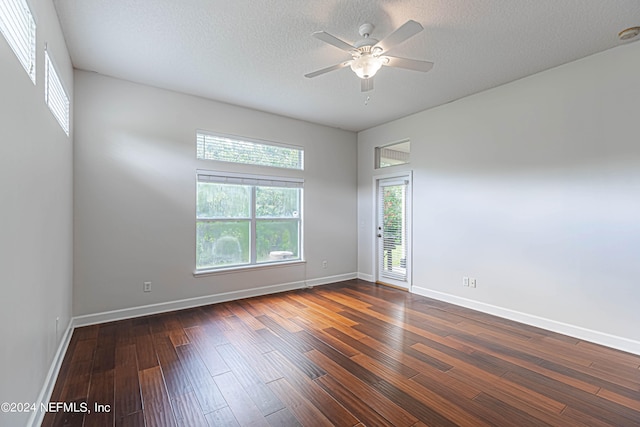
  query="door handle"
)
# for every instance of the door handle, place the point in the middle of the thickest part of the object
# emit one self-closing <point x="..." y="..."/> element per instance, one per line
<point x="379" y="235"/>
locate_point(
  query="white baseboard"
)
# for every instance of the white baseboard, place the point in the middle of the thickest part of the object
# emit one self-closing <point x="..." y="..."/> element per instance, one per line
<point x="331" y="279"/>
<point x="366" y="277"/>
<point x="36" y="418"/>
<point x="145" y="310"/>
<point x="608" y="340"/>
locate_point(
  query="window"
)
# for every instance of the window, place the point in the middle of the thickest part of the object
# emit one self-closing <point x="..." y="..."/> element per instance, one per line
<point x="244" y="220"/>
<point x="230" y="149"/>
<point x="393" y="154"/>
<point x="54" y="94"/>
<point x="19" y="28"/>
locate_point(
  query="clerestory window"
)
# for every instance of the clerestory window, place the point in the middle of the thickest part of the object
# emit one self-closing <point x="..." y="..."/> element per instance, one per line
<point x="54" y="94"/>
<point x="19" y="29"/>
<point x="232" y="149"/>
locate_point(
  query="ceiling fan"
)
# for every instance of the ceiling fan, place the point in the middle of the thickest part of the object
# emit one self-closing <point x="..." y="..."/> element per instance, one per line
<point x="368" y="54"/>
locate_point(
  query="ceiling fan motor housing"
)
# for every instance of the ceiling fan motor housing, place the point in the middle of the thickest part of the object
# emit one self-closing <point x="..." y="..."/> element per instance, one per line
<point x="365" y="30"/>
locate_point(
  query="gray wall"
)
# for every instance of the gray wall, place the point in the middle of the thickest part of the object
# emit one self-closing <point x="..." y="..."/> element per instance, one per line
<point x="532" y="188"/>
<point x="35" y="219"/>
<point x="134" y="182"/>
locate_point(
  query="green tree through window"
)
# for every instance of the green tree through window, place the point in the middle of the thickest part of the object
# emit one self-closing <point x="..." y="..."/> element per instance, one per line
<point x="239" y="224"/>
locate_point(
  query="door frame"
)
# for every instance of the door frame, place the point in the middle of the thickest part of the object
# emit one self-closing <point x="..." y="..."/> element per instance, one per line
<point x="408" y="176"/>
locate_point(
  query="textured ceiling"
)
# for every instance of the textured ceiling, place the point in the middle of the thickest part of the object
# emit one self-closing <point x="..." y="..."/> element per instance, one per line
<point x="254" y="53"/>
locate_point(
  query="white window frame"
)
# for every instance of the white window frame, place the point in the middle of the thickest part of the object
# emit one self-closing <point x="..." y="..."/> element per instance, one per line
<point x="18" y="27"/>
<point x="55" y="95"/>
<point x="204" y="137"/>
<point x="254" y="181"/>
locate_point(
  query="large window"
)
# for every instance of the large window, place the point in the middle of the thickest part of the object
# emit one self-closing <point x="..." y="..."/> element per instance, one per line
<point x="244" y="220"/>
<point x="260" y="153"/>
<point x="19" y="28"/>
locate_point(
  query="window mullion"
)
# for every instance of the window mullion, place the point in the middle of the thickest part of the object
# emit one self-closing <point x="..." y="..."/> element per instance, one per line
<point x="252" y="238"/>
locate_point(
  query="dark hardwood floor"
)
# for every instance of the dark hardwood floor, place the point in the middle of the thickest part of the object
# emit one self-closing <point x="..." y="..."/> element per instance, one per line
<point x="348" y="354"/>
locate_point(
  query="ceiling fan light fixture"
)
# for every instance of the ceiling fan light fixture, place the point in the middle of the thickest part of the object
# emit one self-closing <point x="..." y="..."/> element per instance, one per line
<point x="366" y="66"/>
<point x="368" y="55"/>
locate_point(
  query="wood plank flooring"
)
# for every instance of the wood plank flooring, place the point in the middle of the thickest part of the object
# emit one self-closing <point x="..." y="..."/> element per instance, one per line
<point x="347" y="354"/>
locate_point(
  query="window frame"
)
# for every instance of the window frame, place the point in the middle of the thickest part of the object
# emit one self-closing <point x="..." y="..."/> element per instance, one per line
<point x="254" y="182"/>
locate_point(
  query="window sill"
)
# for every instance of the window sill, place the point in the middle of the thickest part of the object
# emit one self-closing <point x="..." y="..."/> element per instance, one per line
<point x="243" y="268"/>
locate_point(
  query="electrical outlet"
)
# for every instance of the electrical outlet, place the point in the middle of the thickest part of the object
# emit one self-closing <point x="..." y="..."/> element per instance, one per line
<point x="472" y="282"/>
<point x="146" y="287"/>
<point x="324" y="263"/>
<point x="465" y="281"/>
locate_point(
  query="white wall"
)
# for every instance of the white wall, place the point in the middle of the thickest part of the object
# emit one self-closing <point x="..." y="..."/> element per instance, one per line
<point x="134" y="182"/>
<point x="35" y="219"/>
<point x="533" y="188"/>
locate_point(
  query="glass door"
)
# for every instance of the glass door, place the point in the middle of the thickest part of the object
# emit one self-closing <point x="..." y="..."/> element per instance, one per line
<point x="393" y="231"/>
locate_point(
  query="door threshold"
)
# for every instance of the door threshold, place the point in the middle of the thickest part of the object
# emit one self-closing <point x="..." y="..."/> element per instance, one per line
<point x="389" y="285"/>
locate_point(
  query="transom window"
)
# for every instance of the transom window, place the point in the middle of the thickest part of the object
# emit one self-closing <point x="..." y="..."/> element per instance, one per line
<point x="226" y="148"/>
<point x="244" y="220"/>
<point x="398" y="153"/>
<point x="19" y="28"/>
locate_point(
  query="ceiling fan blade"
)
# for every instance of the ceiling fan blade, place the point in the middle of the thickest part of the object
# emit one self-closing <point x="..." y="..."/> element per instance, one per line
<point x="407" y="30"/>
<point x="334" y="41"/>
<point x="366" y="84"/>
<point x="409" y="64"/>
<point x="326" y="70"/>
